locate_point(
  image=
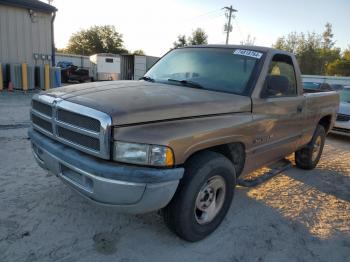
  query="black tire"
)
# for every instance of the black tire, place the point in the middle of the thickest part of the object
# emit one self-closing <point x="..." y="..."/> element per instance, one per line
<point x="304" y="157"/>
<point x="180" y="214"/>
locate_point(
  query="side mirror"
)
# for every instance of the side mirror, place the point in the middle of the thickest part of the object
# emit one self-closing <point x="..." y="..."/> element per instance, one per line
<point x="276" y="85"/>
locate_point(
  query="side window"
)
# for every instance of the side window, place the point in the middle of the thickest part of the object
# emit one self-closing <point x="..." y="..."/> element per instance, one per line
<point x="281" y="80"/>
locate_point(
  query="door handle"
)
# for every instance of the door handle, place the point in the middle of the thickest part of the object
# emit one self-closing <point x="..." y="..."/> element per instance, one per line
<point x="300" y="108"/>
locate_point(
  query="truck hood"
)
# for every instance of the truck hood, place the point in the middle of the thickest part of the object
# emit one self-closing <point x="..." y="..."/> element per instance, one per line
<point x="131" y="102"/>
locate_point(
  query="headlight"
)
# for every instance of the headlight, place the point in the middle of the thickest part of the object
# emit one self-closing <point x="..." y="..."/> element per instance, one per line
<point x="143" y="154"/>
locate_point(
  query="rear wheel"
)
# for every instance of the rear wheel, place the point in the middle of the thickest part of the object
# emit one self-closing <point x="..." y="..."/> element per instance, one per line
<point x="309" y="156"/>
<point x="203" y="197"/>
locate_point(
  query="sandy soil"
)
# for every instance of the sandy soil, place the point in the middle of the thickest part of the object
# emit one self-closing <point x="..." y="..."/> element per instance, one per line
<point x="297" y="216"/>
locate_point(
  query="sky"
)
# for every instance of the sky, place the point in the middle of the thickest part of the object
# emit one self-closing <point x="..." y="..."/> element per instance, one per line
<point x="153" y="25"/>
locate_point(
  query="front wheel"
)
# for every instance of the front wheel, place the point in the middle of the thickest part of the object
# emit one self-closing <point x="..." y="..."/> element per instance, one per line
<point x="203" y="198"/>
<point x="309" y="156"/>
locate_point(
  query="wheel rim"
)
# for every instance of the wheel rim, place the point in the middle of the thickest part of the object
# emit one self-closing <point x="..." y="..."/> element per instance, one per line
<point x="317" y="147"/>
<point x="210" y="200"/>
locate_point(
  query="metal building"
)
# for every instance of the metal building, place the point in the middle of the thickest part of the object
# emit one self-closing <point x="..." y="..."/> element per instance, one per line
<point x="26" y="32"/>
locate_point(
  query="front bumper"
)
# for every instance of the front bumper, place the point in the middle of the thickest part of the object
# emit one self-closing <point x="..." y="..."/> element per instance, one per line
<point x="128" y="188"/>
<point x="341" y="128"/>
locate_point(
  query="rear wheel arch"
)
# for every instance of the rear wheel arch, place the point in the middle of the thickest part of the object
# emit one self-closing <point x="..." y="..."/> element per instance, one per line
<point x="326" y="121"/>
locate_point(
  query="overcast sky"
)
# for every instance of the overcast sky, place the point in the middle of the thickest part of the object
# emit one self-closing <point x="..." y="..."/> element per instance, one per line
<point x="153" y="25"/>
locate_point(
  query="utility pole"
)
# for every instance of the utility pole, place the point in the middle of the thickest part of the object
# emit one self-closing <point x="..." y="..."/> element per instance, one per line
<point x="228" y="26"/>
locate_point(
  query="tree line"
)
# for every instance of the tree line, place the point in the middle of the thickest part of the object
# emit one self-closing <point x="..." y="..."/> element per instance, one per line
<point x="106" y="39"/>
<point x="95" y="40"/>
<point x="316" y="53"/>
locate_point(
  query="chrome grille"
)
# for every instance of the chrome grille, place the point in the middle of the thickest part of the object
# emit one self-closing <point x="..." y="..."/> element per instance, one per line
<point x="46" y="125"/>
<point x="42" y="108"/>
<point x="75" y="125"/>
<point x="343" y="118"/>
<point x="78" y="120"/>
<point x="83" y="140"/>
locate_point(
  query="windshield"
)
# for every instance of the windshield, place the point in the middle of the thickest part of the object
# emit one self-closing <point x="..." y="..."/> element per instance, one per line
<point x="345" y="95"/>
<point x="217" y="69"/>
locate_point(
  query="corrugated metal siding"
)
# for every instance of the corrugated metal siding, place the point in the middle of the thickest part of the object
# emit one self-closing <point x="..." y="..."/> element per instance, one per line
<point x="150" y="61"/>
<point x="20" y="38"/>
<point x="139" y="67"/>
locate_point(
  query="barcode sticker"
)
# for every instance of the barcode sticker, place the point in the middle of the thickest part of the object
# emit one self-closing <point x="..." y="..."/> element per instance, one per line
<point x="249" y="53"/>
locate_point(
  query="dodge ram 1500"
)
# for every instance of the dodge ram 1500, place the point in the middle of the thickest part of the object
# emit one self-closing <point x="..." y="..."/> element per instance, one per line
<point x="178" y="139"/>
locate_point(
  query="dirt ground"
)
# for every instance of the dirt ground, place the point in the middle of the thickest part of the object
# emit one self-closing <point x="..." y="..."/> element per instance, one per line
<point x="296" y="216"/>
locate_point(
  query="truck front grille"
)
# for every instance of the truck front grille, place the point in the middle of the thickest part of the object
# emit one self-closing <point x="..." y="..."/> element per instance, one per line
<point x="46" y="125"/>
<point x="42" y="108"/>
<point x="75" y="125"/>
<point x="343" y="118"/>
<point x="78" y="120"/>
<point x="83" y="140"/>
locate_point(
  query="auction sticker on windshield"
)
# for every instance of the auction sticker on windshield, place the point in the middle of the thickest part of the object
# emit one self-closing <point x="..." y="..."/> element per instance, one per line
<point x="249" y="53"/>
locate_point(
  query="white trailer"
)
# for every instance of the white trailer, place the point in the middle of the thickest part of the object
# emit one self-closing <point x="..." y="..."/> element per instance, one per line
<point x="105" y="67"/>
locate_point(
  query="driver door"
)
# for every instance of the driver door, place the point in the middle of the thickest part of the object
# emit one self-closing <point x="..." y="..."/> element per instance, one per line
<point x="277" y="113"/>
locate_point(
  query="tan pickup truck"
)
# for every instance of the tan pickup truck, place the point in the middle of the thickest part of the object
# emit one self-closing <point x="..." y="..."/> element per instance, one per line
<point x="178" y="139"/>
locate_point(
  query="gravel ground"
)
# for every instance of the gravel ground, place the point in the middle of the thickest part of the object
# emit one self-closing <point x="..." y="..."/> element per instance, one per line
<point x="296" y="216"/>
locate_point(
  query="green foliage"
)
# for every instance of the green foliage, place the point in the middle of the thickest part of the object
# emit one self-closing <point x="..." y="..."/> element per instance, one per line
<point x="96" y="39"/>
<point x="181" y="41"/>
<point x="340" y="67"/>
<point x="346" y="54"/>
<point x="316" y="53"/>
<point x="198" y="37"/>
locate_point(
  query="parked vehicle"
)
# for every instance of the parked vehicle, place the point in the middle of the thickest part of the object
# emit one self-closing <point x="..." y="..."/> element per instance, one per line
<point x="71" y="73"/>
<point x="179" y="139"/>
<point x="64" y="64"/>
<point x="336" y="87"/>
<point x="342" y="123"/>
<point x="317" y="86"/>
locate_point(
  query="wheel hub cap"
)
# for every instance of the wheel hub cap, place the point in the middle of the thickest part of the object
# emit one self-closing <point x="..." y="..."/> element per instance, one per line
<point x="210" y="200"/>
<point x="316" y="149"/>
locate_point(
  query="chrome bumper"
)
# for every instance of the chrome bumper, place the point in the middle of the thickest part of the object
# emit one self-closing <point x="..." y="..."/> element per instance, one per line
<point x="130" y="189"/>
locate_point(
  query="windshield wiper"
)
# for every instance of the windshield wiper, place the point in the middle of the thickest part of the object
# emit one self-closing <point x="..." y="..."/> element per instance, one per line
<point x="147" y="78"/>
<point x="187" y="83"/>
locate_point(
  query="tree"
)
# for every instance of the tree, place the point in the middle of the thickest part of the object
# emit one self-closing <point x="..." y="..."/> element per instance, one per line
<point x="340" y="67"/>
<point x="181" y="41"/>
<point x="346" y="54"/>
<point x="249" y="41"/>
<point x="199" y="37"/>
<point x="96" y="39"/>
<point x="313" y="51"/>
<point x="328" y="52"/>
<point x="139" y="52"/>
<point x="327" y="36"/>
